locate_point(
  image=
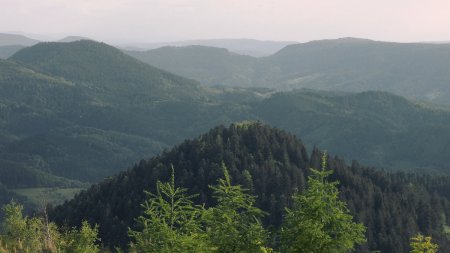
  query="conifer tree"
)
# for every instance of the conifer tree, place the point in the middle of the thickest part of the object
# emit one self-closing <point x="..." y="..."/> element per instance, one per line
<point x="170" y="223"/>
<point x="319" y="222"/>
<point x="233" y="225"/>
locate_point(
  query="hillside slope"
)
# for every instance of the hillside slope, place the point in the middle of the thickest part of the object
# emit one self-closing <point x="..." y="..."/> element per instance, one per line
<point x="209" y="65"/>
<point x="7" y="51"/>
<point x="84" y="111"/>
<point x="75" y="105"/>
<point x="7" y="39"/>
<point x="414" y="70"/>
<point x="271" y="163"/>
<point x="377" y="128"/>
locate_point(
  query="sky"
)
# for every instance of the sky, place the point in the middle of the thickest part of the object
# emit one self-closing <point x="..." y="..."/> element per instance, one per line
<point x="130" y="21"/>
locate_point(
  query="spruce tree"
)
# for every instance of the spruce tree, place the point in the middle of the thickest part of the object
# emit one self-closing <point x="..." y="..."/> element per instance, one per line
<point x="319" y="222"/>
<point x="233" y="225"/>
<point x="170" y="222"/>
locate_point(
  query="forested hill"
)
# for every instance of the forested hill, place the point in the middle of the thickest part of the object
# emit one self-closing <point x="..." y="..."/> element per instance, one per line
<point x="7" y="51"/>
<point x="377" y="128"/>
<point x="81" y="111"/>
<point x="272" y="164"/>
<point x="67" y="108"/>
<point x="209" y="65"/>
<point x="414" y="70"/>
<point x="106" y="70"/>
<point x="7" y="39"/>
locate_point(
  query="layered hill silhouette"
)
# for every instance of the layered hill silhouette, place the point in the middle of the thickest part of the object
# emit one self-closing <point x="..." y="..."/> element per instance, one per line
<point x="81" y="111"/>
<point x="414" y="70"/>
<point x="252" y="47"/>
<point x="271" y="164"/>
<point x="7" y="39"/>
<point x="7" y="51"/>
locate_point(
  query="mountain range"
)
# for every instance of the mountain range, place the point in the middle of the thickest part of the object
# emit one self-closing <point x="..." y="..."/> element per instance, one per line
<point x="415" y="70"/>
<point x="82" y="112"/>
<point x="7" y="39"/>
<point x="75" y="113"/>
<point x="251" y="47"/>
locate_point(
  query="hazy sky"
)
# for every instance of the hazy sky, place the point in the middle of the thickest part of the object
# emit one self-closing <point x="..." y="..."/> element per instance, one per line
<point x="120" y="21"/>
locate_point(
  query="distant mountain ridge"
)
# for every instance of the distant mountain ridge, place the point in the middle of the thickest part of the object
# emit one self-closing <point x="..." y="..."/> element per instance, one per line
<point x="7" y="51"/>
<point x="251" y="47"/>
<point x="7" y="39"/>
<point x="415" y="70"/>
<point x="73" y="39"/>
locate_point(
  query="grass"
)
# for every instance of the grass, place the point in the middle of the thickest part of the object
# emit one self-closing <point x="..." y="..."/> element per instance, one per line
<point x="41" y="196"/>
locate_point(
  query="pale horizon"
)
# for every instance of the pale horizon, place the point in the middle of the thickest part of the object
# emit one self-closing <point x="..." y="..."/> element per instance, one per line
<point x="153" y="21"/>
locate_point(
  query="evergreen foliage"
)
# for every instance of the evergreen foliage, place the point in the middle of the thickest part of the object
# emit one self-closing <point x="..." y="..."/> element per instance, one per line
<point x="170" y="222"/>
<point x="85" y="110"/>
<point x="234" y="225"/>
<point x="319" y="222"/>
<point x="271" y="164"/>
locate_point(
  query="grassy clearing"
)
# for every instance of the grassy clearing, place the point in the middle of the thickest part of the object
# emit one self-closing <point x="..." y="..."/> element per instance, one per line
<point x="40" y="196"/>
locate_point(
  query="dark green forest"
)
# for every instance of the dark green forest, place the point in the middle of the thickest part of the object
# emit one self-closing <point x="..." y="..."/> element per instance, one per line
<point x="272" y="164"/>
<point x="78" y="112"/>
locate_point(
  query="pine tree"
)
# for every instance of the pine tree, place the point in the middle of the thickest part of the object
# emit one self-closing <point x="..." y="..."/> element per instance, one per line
<point x="318" y="221"/>
<point x="170" y="223"/>
<point x="233" y="225"/>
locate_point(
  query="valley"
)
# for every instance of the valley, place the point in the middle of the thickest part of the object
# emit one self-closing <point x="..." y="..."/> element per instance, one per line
<point x="86" y="121"/>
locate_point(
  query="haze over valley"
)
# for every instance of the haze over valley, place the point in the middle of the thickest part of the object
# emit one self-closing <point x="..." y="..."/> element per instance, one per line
<point x="285" y="140"/>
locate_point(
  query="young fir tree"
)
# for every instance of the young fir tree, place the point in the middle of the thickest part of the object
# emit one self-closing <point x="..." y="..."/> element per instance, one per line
<point x="233" y="225"/>
<point x="319" y="222"/>
<point x="422" y="244"/>
<point x="171" y="223"/>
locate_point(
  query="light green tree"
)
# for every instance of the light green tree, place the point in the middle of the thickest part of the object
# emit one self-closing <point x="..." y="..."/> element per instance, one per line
<point x="423" y="244"/>
<point x="319" y="222"/>
<point x="233" y="225"/>
<point x="170" y="222"/>
<point x="82" y="240"/>
<point x="20" y="233"/>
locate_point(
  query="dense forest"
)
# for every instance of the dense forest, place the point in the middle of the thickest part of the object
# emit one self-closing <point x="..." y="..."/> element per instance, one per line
<point x="272" y="164"/>
<point x="75" y="113"/>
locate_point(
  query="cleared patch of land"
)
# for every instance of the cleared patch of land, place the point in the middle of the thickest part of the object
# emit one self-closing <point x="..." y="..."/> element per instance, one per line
<point x="41" y="196"/>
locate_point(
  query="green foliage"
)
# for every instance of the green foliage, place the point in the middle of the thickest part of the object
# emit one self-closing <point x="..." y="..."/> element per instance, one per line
<point x="423" y="244"/>
<point x="325" y="65"/>
<point x="81" y="241"/>
<point x="393" y="206"/>
<point x="58" y="115"/>
<point x="170" y="223"/>
<point x="84" y="110"/>
<point x="37" y="235"/>
<point x="233" y="225"/>
<point x="319" y="222"/>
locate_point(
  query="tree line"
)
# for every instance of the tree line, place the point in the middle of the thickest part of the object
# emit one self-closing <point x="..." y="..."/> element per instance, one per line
<point x="317" y="222"/>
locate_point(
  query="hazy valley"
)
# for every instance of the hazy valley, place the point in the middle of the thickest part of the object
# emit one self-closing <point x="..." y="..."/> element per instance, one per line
<point x="80" y="114"/>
